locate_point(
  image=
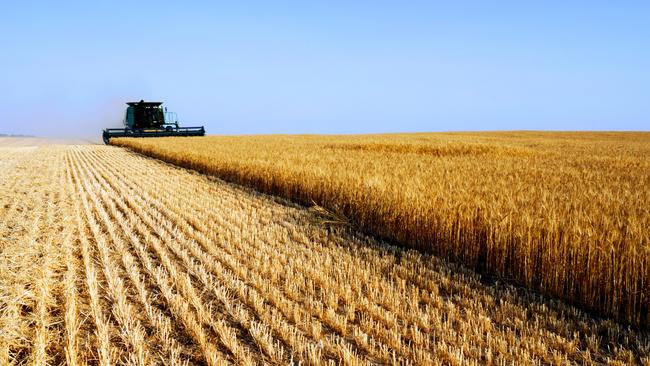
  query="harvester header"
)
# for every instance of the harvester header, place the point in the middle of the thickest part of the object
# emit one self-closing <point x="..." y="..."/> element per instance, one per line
<point x="150" y="119"/>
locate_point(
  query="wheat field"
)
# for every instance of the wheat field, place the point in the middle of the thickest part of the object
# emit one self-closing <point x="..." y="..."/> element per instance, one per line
<point x="108" y="257"/>
<point x="563" y="213"/>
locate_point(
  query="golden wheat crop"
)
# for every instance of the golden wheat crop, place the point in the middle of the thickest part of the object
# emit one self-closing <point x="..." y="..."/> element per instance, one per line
<point x="566" y="214"/>
<point x="108" y="257"/>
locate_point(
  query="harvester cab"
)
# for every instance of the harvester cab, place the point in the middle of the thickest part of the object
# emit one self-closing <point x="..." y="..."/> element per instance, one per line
<point x="150" y="119"/>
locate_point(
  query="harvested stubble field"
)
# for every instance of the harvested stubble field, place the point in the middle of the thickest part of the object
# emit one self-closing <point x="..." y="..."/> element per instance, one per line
<point x="108" y="257"/>
<point x="566" y="214"/>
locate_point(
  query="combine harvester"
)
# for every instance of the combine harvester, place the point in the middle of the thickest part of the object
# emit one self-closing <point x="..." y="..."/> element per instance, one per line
<point x="150" y="119"/>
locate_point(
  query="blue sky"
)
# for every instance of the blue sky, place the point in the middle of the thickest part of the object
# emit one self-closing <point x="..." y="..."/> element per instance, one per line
<point x="326" y="67"/>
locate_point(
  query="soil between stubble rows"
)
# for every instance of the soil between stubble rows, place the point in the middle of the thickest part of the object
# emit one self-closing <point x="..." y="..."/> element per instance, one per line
<point x="109" y="257"/>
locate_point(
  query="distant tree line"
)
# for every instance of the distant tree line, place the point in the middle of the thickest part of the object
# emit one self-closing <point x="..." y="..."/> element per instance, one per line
<point x="14" y="135"/>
